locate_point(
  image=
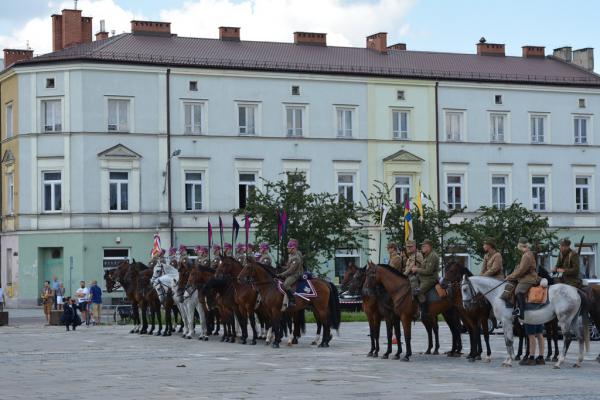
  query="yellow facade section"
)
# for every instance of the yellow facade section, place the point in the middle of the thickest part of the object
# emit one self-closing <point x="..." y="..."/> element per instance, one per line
<point x="10" y="151"/>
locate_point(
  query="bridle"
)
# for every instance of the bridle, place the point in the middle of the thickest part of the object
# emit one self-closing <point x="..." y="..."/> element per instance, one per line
<point x="473" y="294"/>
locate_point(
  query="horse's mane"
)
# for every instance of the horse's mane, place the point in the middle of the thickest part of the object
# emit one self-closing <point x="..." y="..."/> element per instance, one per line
<point x="216" y="283"/>
<point x="266" y="268"/>
<point x="393" y="270"/>
<point x="205" y="269"/>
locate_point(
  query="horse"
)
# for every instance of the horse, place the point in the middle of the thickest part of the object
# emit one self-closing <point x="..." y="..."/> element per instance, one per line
<point x="377" y="305"/>
<point x="190" y="295"/>
<point x="347" y="277"/>
<point x="564" y="302"/>
<point x="593" y="296"/>
<point x="325" y="305"/>
<point x="219" y="295"/>
<point x="114" y="279"/>
<point x="138" y="276"/>
<point x="196" y="282"/>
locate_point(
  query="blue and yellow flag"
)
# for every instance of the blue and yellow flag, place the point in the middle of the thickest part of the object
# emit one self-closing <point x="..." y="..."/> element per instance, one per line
<point x="408" y="225"/>
<point x="420" y="201"/>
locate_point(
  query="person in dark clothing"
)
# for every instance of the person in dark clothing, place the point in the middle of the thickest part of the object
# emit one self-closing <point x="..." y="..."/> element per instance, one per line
<point x="70" y="316"/>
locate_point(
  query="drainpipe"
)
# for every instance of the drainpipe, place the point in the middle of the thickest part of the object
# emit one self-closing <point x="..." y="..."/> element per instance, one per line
<point x="169" y="203"/>
<point x="437" y="146"/>
<point x="1" y="186"/>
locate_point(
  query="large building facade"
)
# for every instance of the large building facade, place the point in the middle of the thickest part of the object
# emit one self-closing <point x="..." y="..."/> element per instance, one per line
<point x="90" y="131"/>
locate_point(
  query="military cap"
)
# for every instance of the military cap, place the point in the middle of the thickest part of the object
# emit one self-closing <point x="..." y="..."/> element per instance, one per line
<point x="565" y="242"/>
<point x="523" y="241"/>
<point x="392" y="245"/>
<point x="410" y="242"/>
<point x="490" y="241"/>
<point x="428" y="242"/>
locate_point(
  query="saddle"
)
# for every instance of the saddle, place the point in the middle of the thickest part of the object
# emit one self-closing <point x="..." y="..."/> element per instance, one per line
<point x="303" y="289"/>
<point x="436" y="293"/>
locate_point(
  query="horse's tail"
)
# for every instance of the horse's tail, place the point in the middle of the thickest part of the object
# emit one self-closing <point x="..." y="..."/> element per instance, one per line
<point x="301" y="321"/>
<point x="335" y="313"/>
<point x="585" y="319"/>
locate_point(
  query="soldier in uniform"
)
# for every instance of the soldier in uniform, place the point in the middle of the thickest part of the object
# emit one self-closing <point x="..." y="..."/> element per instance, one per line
<point x="172" y="254"/>
<point x="568" y="265"/>
<point x="396" y="260"/>
<point x="492" y="261"/>
<point x="414" y="260"/>
<point x="216" y="256"/>
<point x="202" y="253"/>
<point x="227" y="249"/>
<point x="264" y="257"/>
<point x="525" y="275"/>
<point x="294" y="270"/>
<point x="183" y="254"/>
<point x="427" y="273"/>
<point x="240" y="253"/>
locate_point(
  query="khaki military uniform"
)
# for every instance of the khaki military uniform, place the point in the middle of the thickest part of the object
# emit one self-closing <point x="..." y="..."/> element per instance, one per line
<point x="294" y="270"/>
<point x="525" y="273"/>
<point x="428" y="273"/>
<point x="570" y="264"/>
<point x="413" y="260"/>
<point x="265" y="259"/>
<point x="492" y="265"/>
<point x="203" y="261"/>
<point x="215" y="262"/>
<point x="397" y="261"/>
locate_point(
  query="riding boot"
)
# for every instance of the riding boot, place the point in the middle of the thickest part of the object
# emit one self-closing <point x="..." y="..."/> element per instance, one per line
<point x="520" y="309"/>
<point x="423" y="309"/>
<point x="291" y="299"/>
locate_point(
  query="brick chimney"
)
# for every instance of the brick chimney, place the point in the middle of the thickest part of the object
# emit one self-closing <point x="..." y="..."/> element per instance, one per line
<point x="11" y="56"/>
<point x="534" y="51"/>
<point x="70" y="29"/>
<point x="564" y="53"/>
<point x="584" y="58"/>
<point x="397" y="46"/>
<point x="378" y="42"/>
<point x="310" y="38"/>
<point x="102" y="34"/>
<point x="490" y="49"/>
<point x="153" y="28"/>
<point x="229" y="33"/>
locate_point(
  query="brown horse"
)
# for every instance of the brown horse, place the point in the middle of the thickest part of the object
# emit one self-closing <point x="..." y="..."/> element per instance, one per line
<point x="138" y="276"/>
<point x="593" y="296"/>
<point x="325" y="305"/>
<point x="377" y="305"/>
<point x="347" y="277"/>
<point x="115" y="278"/>
<point x="197" y="279"/>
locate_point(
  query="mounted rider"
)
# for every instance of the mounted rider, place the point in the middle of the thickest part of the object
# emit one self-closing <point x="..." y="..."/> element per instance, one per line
<point x="397" y="261"/>
<point x="227" y="250"/>
<point x="525" y="275"/>
<point x="202" y="254"/>
<point x="264" y="257"/>
<point x="240" y="253"/>
<point x="183" y="255"/>
<point x="216" y="256"/>
<point x="157" y="258"/>
<point x="492" y="261"/>
<point x="424" y="275"/>
<point x="173" y="257"/>
<point x="567" y="265"/>
<point x="293" y="271"/>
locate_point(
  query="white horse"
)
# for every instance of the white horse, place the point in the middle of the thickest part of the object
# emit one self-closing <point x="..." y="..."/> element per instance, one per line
<point x="565" y="303"/>
<point x="165" y="278"/>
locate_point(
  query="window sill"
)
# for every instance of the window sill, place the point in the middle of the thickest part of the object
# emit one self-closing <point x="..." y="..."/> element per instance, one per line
<point x="538" y="143"/>
<point x="497" y="142"/>
<point x="344" y="137"/>
<point x="119" y="211"/>
<point x="113" y="131"/>
<point x="295" y="136"/>
<point x="194" y="211"/>
<point x="247" y="134"/>
<point x="45" y="212"/>
<point x="400" y="138"/>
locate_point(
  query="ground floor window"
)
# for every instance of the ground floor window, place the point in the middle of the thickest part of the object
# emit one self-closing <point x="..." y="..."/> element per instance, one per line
<point x="460" y="256"/>
<point x="587" y="261"/>
<point x="113" y="257"/>
<point x="344" y="259"/>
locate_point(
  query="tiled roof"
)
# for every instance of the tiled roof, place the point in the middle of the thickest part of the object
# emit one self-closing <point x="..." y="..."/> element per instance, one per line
<point x="274" y="56"/>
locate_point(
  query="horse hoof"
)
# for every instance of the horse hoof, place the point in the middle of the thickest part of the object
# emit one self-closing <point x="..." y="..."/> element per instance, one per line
<point x="405" y="359"/>
<point x="576" y="365"/>
<point x="243" y="341"/>
<point x="556" y="367"/>
<point x="385" y="356"/>
<point x="143" y="332"/>
<point x="370" y="354"/>
<point x="555" y="359"/>
<point x="376" y="355"/>
<point x="223" y="339"/>
<point x="436" y="353"/>
<point x="132" y="331"/>
<point x="314" y="343"/>
<point x="295" y="340"/>
<point x="427" y="352"/>
<point x="253" y="342"/>
<point x="478" y="358"/>
<point x="450" y="354"/>
<point x="275" y="345"/>
<point x="397" y="357"/>
<point x="548" y="358"/>
<point x="470" y="359"/>
<point x="517" y="358"/>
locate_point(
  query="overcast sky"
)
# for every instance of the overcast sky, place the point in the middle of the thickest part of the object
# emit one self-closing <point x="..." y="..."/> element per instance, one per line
<point x="438" y="25"/>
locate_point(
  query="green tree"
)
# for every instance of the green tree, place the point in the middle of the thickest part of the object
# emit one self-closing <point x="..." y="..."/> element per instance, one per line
<point x="320" y="222"/>
<point x="506" y="226"/>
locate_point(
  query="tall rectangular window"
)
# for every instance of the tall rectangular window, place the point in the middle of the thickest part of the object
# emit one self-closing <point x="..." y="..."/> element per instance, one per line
<point x="247" y="119"/>
<point x="294" y="121"/>
<point x="344" y="122"/>
<point x="582" y="193"/>
<point x="11" y="194"/>
<point x="246" y="187"/>
<point x="499" y="191"/>
<point x="193" y="118"/>
<point x="9" y="120"/>
<point x="538" y="192"/>
<point x="454" y="126"/>
<point x="538" y="128"/>
<point x="497" y="127"/>
<point x="52" y="191"/>
<point x="345" y="183"/>
<point x="401" y="188"/>
<point x="454" y="185"/>
<point x="581" y="129"/>
<point x="52" y="115"/>
<point x="400" y="124"/>
<point x="193" y="191"/>
<point x="119" y="191"/>
<point x="118" y="115"/>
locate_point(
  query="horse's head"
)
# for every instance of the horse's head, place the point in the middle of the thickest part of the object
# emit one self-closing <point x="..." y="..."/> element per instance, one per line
<point x="229" y="268"/>
<point x="371" y="276"/>
<point x="467" y="292"/>
<point x="357" y="281"/>
<point x="248" y="274"/>
<point x="348" y="275"/>
<point x="455" y="271"/>
<point x="158" y="270"/>
<point x="111" y="282"/>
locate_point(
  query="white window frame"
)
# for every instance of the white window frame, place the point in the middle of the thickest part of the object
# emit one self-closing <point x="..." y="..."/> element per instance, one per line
<point x="461" y="185"/>
<point x="345" y="186"/>
<point x="53" y="126"/>
<point x="130" y="113"/>
<point x="403" y="188"/>
<point x="495" y="135"/>
<point x="498" y="187"/>
<point x="341" y="128"/>
<point x="304" y="119"/>
<point x="194" y="183"/>
<point x="534" y="139"/>
<point x="588" y="187"/>
<point x="202" y="125"/>
<point x="119" y="182"/>
<point x="539" y="186"/>
<point x="10" y="184"/>
<point x="52" y="184"/>
<point x="247" y="105"/>
<point x="462" y="132"/>
<point x="577" y="129"/>
<point x="246" y="183"/>
<point x="400" y="134"/>
<point x="10" y="119"/>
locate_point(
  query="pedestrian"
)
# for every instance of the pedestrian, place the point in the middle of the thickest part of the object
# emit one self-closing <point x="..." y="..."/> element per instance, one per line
<point x="1" y="299"/>
<point x="47" y="299"/>
<point x="83" y="295"/>
<point x="70" y="317"/>
<point x="534" y="332"/>
<point x="96" y="298"/>
<point x="54" y="285"/>
<point x="60" y="294"/>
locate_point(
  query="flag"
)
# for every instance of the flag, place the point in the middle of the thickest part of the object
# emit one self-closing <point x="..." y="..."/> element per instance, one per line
<point x="408" y="225"/>
<point x="283" y="223"/>
<point x="420" y="201"/>
<point x="279" y="225"/>
<point x="384" y="212"/>
<point x="247" y="229"/>
<point x="235" y="229"/>
<point x="209" y="236"/>
<point x="156" y="245"/>
<point x="221" y="231"/>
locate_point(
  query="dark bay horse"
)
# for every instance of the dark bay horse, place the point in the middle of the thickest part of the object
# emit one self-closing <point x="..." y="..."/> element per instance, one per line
<point x="115" y="278"/>
<point x="138" y="276"/>
<point x="593" y="296"/>
<point x="325" y="305"/>
<point x="197" y="279"/>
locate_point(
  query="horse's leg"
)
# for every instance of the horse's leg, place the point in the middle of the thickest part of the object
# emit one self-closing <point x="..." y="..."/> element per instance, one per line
<point x="135" y="316"/>
<point x="436" y="332"/>
<point x="508" y="340"/>
<point x="376" y="332"/>
<point x="396" y="323"/>
<point x="428" y="329"/>
<point x="276" y="328"/>
<point x="253" y="326"/>
<point x="406" y="321"/>
<point x="144" y="329"/>
<point x="390" y="334"/>
<point x="486" y="337"/>
<point x="318" y="335"/>
<point x="555" y="339"/>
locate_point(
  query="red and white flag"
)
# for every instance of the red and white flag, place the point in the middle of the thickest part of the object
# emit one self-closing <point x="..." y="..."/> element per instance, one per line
<point x="156" y="245"/>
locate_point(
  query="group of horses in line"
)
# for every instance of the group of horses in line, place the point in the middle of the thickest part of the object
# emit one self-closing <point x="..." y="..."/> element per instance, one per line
<point x="471" y="302"/>
<point x="232" y="295"/>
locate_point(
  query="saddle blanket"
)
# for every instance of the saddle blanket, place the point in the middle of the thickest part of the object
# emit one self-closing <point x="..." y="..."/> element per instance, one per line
<point x="304" y="289"/>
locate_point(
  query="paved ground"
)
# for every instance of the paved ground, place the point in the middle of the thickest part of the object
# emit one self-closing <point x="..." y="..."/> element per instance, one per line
<point x="37" y="362"/>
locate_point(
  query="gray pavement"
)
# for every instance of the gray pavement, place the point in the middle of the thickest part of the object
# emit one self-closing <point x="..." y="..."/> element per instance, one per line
<point x="39" y="362"/>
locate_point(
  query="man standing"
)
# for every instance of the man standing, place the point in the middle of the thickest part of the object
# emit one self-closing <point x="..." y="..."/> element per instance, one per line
<point x="55" y="284"/>
<point x="47" y="297"/>
<point x="265" y="258"/>
<point x="526" y="276"/>
<point x="96" y="295"/>
<point x="427" y="273"/>
<point x="568" y="265"/>
<point x="83" y="295"/>
<point x="492" y="261"/>
<point x="396" y="260"/>
<point x="293" y="271"/>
